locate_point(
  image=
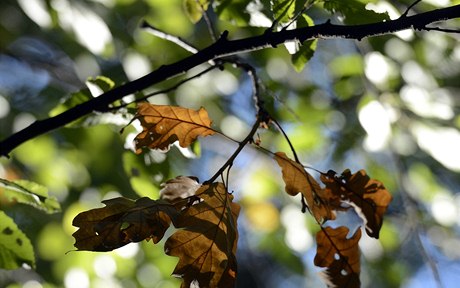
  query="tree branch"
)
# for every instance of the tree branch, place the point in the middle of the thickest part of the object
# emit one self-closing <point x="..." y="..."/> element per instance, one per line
<point x="222" y="48"/>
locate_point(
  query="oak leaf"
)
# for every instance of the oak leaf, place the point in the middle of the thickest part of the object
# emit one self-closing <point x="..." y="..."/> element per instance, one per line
<point x="297" y="180"/>
<point x="206" y="240"/>
<point x="121" y="222"/>
<point x="163" y="125"/>
<point x="369" y="197"/>
<point x="340" y="255"/>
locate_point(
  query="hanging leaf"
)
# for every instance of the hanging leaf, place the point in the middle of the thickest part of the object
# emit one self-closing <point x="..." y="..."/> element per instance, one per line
<point x="207" y="239"/>
<point x="369" y="196"/>
<point x="121" y="222"/>
<point x="163" y="125"/>
<point x="297" y="181"/>
<point x="28" y="193"/>
<point x="195" y="9"/>
<point x="307" y="49"/>
<point x="15" y="247"/>
<point x="340" y="255"/>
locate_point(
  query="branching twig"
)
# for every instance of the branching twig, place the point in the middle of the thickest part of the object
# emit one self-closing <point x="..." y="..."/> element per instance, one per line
<point x="223" y="48"/>
<point x="410" y="7"/>
<point x="167" y="90"/>
<point x="229" y="162"/>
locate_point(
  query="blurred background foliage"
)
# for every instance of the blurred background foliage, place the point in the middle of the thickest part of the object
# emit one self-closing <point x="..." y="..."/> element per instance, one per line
<point x="387" y="104"/>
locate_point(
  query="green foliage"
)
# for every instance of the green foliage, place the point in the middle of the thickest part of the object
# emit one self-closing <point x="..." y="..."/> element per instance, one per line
<point x="195" y="9"/>
<point x="15" y="247"/>
<point x="354" y="11"/>
<point x="28" y="193"/>
<point x="307" y="49"/>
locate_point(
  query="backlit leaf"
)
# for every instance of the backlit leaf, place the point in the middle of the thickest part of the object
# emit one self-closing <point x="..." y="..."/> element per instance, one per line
<point x="369" y="196"/>
<point x="15" y="247"/>
<point x="297" y="181"/>
<point x="195" y="9"/>
<point x="207" y="239"/>
<point x="121" y="222"/>
<point x="339" y="255"/>
<point x="354" y="11"/>
<point x="28" y="193"/>
<point x="163" y="125"/>
<point x="307" y="49"/>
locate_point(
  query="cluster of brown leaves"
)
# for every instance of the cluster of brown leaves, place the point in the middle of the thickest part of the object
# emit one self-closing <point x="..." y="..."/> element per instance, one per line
<point x="336" y="252"/>
<point x="206" y="218"/>
<point x="205" y="241"/>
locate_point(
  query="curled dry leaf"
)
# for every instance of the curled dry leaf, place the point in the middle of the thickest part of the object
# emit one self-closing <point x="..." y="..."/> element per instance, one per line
<point x="180" y="187"/>
<point x="297" y="181"/>
<point x="121" y="222"/>
<point x="163" y="125"/>
<point x="207" y="239"/>
<point x="339" y="255"/>
<point x="368" y="196"/>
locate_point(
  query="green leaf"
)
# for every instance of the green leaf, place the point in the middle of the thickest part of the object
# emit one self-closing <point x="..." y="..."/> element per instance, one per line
<point x="28" y="193"/>
<point x="354" y="11"/>
<point x="74" y="100"/>
<point x="233" y="11"/>
<point x="308" y="48"/>
<point x="101" y="84"/>
<point x="285" y="10"/>
<point x="15" y="247"/>
<point x="96" y="86"/>
<point x="195" y="9"/>
<point x="305" y="53"/>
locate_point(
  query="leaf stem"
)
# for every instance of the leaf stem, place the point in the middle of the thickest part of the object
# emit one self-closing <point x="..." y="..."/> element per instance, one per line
<point x="229" y="162"/>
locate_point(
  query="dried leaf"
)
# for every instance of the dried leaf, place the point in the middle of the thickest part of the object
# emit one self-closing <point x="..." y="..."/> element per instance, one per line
<point x="297" y="181"/>
<point x="339" y="255"/>
<point x="369" y="196"/>
<point x="180" y="187"/>
<point x="121" y="222"/>
<point x="206" y="244"/>
<point x="163" y="125"/>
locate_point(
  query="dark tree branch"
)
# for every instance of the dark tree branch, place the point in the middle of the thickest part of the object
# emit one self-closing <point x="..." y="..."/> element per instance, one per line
<point x="222" y="48"/>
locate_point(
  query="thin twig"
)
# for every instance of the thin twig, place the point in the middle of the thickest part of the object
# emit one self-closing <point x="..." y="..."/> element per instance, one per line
<point x="288" y="140"/>
<point x="224" y="48"/>
<point x="171" y="38"/>
<point x="167" y="90"/>
<point x="410" y="7"/>
<point x="229" y="162"/>
<point x="446" y="30"/>
<point x="412" y="216"/>
<point x="208" y="21"/>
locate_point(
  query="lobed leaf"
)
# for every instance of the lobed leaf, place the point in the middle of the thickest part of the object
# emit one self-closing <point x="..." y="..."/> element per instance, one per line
<point x="163" y="125"/>
<point x="297" y="180"/>
<point x="340" y="255"/>
<point x="369" y="196"/>
<point x="28" y="193"/>
<point x="207" y="239"/>
<point x="121" y="222"/>
<point x="15" y="247"/>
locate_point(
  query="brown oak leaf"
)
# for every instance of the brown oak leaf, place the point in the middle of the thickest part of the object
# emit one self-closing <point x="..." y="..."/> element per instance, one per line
<point x="297" y="180"/>
<point x="340" y="255"/>
<point x="163" y="125"/>
<point x="121" y="222"/>
<point x="369" y="196"/>
<point x="206" y="240"/>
